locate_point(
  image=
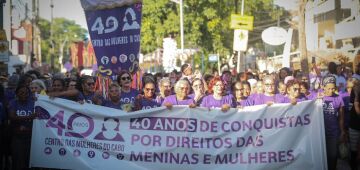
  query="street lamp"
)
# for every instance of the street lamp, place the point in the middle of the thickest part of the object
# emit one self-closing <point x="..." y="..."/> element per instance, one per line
<point x="180" y="2"/>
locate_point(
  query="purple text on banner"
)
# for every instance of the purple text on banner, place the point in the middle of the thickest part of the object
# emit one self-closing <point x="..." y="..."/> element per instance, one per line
<point x="115" y="36"/>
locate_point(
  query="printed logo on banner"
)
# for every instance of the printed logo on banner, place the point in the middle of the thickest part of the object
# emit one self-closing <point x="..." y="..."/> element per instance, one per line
<point x="105" y="60"/>
<point x="47" y="150"/>
<point x="91" y="154"/>
<point x="109" y="131"/>
<point x="116" y="32"/>
<point x="62" y="151"/>
<point x="77" y="153"/>
<point x="106" y="155"/>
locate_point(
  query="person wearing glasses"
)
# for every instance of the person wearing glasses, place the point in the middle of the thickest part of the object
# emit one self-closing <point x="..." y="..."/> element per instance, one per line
<point x="87" y="91"/>
<point x="269" y="96"/>
<point x="199" y="91"/>
<point x="181" y="95"/>
<point x="237" y="89"/>
<point x="128" y="94"/>
<point x="217" y="97"/>
<point x="293" y="92"/>
<point x="148" y="100"/>
<point x="164" y="89"/>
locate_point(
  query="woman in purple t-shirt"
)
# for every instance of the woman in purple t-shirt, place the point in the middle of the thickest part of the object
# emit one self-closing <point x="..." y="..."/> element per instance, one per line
<point x="293" y="92"/>
<point x="199" y="91"/>
<point x="148" y="100"/>
<point x="217" y="99"/>
<point x="21" y="111"/>
<point x="333" y="119"/>
<point x="269" y="97"/>
<point x="181" y="95"/>
<point x="114" y="98"/>
<point x="128" y="94"/>
<point x="237" y="89"/>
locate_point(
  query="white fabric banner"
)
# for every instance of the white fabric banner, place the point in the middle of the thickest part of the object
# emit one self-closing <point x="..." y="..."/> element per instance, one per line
<point x="69" y="135"/>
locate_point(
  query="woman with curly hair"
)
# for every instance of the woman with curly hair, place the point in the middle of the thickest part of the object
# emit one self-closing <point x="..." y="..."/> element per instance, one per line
<point x="217" y="97"/>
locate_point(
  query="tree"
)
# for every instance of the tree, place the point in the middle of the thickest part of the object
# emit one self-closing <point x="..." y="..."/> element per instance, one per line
<point x="206" y="23"/>
<point x="64" y="31"/>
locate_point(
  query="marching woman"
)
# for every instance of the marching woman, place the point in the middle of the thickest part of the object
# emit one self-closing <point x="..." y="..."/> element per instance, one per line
<point x="293" y="92"/>
<point x="216" y="97"/>
<point x="333" y="107"/>
<point x="128" y="94"/>
<point x="269" y="96"/>
<point x="21" y="111"/>
<point x="114" y="98"/>
<point x="199" y="91"/>
<point x="238" y="95"/>
<point x="181" y="96"/>
<point x="148" y="100"/>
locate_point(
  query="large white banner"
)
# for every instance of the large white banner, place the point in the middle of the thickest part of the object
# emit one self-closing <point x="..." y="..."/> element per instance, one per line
<point x="73" y="136"/>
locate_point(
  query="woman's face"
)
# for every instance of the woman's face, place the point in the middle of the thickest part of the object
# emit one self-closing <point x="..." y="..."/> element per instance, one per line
<point x="260" y="87"/>
<point x="183" y="90"/>
<point x="125" y="80"/>
<point x="22" y="94"/>
<point x="303" y="89"/>
<point x="282" y="89"/>
<point x="283" y="74"/>
<point x="238" y="91"/>
<point x="198" y="87"/>
<point x="89" y="85"/>
<point x="166" y="88"/>
<point x="294" y="91"/>
<point x="218" y="87"/>
<point x="149" y="90"/>
<point x="269" y="86"/>
<point x="114" y="93"/>
<point x="57" y="86"/>
<point x="35" y="89"/>
<point x="247" y="90"/>
<point x="72" y="85"/>
<point x="329" y="89"/>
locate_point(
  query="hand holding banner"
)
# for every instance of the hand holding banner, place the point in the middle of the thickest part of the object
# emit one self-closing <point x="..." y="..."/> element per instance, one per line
<point x="74" y="136"/>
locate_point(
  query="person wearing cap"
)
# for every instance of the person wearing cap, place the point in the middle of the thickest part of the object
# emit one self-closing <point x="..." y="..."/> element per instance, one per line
<point x="333" y="109"/>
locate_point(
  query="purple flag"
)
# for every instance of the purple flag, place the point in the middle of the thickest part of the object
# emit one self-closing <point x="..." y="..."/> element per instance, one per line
<point x="115" y="36"/>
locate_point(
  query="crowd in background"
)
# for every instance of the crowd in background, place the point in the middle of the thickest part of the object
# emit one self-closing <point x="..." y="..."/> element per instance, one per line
<point x="337" y="87"/>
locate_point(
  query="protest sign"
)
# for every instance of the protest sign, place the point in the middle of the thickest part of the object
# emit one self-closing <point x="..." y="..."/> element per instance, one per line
<point x="69" y="135"/>
<point x="115" y="36"/>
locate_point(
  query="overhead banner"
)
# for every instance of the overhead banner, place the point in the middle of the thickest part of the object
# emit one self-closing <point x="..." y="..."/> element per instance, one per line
<point x="69" y="135"/>
<point x="115" y="36"/>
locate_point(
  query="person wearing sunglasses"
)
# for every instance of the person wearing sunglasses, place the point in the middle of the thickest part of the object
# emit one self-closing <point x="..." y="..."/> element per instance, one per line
<point x="87" y="91"/>
<point x="148" y="100"/>
<point x="293" y="92"/>
<point x="128" y="94"/>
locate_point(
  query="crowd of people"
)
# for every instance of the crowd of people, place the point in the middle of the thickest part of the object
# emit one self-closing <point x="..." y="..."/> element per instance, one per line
<point x="339" y="89"/>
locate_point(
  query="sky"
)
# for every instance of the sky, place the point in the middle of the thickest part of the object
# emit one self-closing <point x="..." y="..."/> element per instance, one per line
<point x="70" y="9"/>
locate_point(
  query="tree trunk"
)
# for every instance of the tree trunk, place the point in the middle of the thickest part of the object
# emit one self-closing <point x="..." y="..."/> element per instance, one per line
<point x="302" y="38"/>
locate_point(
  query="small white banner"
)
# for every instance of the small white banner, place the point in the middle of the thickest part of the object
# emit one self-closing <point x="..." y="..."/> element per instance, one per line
<point x="240" y="40"/>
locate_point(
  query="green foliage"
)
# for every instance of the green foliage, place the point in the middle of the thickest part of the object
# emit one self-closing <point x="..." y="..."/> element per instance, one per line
<point x="64" y="30"/>
<point x="206" y="24"/>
